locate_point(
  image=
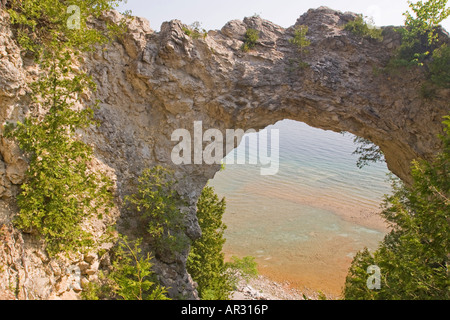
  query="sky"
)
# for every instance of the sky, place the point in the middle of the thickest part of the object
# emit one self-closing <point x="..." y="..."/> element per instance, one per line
<point x="214" y="14"/>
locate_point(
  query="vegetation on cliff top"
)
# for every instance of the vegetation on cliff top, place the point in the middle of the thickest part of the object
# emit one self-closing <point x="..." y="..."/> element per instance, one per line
<point x="421" y="46"/>
<point x="195" y="31"/>
<point x="301" y="42"/>
<point x="413" y="259"/>
<point x="251" y="39"/>
<point x="362" y="28"/>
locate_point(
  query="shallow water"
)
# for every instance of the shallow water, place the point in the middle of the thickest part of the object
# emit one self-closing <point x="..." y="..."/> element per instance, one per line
<point x="305" y="223"/>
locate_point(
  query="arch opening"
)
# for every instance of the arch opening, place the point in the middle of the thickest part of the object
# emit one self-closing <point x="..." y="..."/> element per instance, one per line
<point x="305" y="223"/>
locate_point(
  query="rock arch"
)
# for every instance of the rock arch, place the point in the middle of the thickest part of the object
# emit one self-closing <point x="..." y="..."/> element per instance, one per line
<point x="174" y="80"/>
<point x="152" y="83"/>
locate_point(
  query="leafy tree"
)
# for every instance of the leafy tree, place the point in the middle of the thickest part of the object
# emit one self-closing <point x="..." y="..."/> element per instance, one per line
<point x="245" y="268"/>
<point x="368" y="152"/>
<point x="414" y="257"/>
<point x="423" y="20"/>
<point x="130" y="278"/>
<point x="60" y="191"/>
<point x="419" y="36"/>
<point x="41" y="23"/>
<point x="363" y="29"/>
<point x="206" y="259"/>
<point x="159" y="203"/>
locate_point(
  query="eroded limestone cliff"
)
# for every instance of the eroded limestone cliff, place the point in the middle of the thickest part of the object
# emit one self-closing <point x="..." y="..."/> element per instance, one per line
<point x="152" y="83"/>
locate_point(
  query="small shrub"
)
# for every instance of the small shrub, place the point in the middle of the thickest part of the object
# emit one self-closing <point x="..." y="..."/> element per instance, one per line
<point x="440" y="67"/>
<point x="195" y="31"/>
<point x="245" y="268"/>
<point x="246" y="265"/>
<point x="302" y="43"/>
<point x="412" y="52"/>
<point x="251" y="39"/>
<point x="363" y="29"/>
<point x="299" y="39"/>
<point x="159" y="203"/>
<point x="130" y="278"/>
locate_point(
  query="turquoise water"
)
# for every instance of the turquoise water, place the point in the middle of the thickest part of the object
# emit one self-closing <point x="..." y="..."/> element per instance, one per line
<point x="305" y="223"/>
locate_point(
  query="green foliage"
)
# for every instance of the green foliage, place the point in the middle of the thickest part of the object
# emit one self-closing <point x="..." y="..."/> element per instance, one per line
<point x="130" y="278"/>
<point x="299" y="39"/>
<point x="302" y="43"/>
<point x="246" y="268"/>
<point x="159" y="203"/>
<point x="60" y="191"/>
<point x="427" y="91"/>
<point x="423" y="20"/>
<point x="250" y="40"/>
<point x="363" y="29"/>
<point x="419" y="36"/>
<point x="216" y="279"/>
<point x="413" y="258"/>
<point x="368" y="152"/>
<point x="45" y="22"/>
<point x="411" y="53"/>
<point x="206" y="261"/>
<point x="356" y="283"/>
<point x="440" y="67"/>
<point x="195" y="31"/>
<point x="420" y="45"/>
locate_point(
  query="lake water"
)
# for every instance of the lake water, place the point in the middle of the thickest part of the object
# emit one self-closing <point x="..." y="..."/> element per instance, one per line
<point x="304" y="224"/>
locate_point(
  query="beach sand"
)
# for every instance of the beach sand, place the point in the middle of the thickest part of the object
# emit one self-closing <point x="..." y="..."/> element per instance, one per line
<point x="319" y="263"/>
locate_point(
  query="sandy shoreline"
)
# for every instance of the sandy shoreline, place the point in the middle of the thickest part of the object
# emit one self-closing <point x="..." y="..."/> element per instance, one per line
<point x="264" y="288"/>
<point x="318" y="269"/>
<point x="309" y="281"/>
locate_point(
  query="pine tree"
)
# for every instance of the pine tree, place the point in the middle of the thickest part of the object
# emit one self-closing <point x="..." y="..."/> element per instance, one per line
<point x="414" y="257"/>
<point x="206" y="259"/>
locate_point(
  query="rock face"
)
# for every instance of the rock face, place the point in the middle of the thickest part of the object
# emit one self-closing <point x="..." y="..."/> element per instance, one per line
<point x="150" y="84"/>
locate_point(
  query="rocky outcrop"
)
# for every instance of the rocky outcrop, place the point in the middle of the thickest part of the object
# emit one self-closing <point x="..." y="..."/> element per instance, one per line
<point x="152" y="83"/>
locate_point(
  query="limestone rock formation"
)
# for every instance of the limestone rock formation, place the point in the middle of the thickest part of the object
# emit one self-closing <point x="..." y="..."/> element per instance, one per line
<point x="152" y="83"/>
